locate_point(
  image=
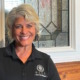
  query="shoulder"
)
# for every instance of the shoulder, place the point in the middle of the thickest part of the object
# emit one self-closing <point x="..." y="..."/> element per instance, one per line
<point x="2" y="49"/>
<point x="39" y="54"/>
<point x="43" y="55"/>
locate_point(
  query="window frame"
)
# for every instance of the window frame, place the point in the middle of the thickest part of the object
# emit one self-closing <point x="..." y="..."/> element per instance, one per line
<point x="72" y="36"/>
<point x="72" y="39"/>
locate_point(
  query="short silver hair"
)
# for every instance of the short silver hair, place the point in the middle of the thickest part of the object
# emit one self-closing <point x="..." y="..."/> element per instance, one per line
<point x="28" y="12"/>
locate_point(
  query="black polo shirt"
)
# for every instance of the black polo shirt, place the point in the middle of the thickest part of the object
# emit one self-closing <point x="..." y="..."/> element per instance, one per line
<point x="38" y="67"/>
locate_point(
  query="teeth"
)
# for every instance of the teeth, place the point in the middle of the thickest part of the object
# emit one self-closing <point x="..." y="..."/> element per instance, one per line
<point x="24" y="37"/>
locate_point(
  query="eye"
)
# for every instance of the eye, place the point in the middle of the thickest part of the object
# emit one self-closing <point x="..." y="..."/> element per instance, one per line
<point x="29" y="25"/>
<point x="18" y="26"/>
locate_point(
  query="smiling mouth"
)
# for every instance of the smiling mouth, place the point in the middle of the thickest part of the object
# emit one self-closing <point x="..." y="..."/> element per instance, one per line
<point x="24" y="37"/>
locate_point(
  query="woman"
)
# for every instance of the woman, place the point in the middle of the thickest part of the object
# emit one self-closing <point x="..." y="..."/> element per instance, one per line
<point x="20" y="60"/>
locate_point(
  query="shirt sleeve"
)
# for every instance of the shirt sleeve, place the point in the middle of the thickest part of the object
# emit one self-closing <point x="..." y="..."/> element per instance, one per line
<point x="52" y="71"/>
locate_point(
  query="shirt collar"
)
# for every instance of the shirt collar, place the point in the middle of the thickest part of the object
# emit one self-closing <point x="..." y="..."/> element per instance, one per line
<point x="10" y="51"/>
<point x="35" y="53"/>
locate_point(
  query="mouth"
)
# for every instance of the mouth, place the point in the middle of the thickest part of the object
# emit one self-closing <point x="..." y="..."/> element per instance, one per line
<point x="24" y="37"/>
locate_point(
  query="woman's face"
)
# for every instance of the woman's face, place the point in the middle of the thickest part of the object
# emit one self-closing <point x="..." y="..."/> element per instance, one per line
<point x="23" y="32"/>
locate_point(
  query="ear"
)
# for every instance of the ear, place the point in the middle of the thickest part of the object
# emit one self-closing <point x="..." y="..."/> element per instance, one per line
<point x="36" y="37"/>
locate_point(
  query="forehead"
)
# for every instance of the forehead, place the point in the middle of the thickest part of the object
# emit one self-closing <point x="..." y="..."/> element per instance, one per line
<point x="22" y="19"/>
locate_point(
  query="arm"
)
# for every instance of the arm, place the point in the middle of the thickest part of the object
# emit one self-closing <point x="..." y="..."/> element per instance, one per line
<point x="52" y="71"/>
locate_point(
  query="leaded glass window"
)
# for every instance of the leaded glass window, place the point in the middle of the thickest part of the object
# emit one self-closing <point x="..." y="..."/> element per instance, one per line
<point x="54" y="17"/>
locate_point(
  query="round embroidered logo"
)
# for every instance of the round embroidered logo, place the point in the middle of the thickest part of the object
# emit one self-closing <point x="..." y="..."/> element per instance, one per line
<point x="40" y="68"/>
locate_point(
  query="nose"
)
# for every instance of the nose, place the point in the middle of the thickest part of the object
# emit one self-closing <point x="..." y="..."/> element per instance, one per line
<point x="24" y="30"/>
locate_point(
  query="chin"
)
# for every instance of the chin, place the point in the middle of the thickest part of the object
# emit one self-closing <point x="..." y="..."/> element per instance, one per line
<point x="25" y="44"/>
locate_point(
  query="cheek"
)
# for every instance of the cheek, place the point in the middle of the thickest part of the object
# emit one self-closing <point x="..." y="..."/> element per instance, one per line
<point x="15" y="33"/>
<point x="33" y="30"/>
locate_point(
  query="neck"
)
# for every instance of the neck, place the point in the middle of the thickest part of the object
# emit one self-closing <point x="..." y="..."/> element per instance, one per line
<point x="23" y="52"/>
<point x="23" y="48"/>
